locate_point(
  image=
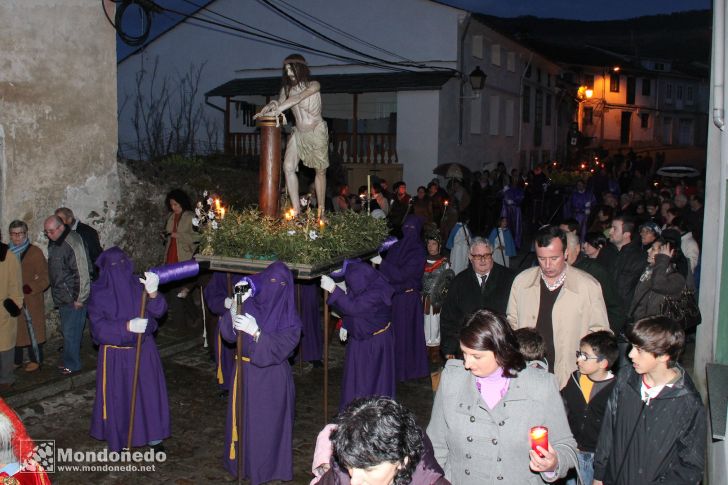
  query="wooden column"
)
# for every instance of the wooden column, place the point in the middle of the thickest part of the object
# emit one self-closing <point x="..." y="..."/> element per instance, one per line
<point x="270" y="165"/>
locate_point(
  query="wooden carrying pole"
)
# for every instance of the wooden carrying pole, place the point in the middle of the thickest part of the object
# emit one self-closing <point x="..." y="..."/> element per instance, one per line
<point x="270" y="165"/>
<point x="136" y="373"/>
<point x="326" y="357"/>
<point x="240" y="394"/>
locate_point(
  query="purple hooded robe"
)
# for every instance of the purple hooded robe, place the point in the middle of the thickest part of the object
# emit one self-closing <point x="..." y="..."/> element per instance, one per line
<point x="512" y="199"/>
<point x="579" y="207"/>
<point x="403" y="267"/>
<point x="115" y="299"/>
<point x="215" y="293"/>
<point x="308" y="295"/>
<point x="268" y="390"/>
<point x="366" y="309"/>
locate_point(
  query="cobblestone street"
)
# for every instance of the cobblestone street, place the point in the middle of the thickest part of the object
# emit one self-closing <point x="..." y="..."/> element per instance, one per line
<point x="195" y="449"/>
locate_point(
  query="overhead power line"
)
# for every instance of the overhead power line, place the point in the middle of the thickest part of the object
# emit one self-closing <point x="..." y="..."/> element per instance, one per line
<point x="252" y="31"/>
<point x="325" y="37"/>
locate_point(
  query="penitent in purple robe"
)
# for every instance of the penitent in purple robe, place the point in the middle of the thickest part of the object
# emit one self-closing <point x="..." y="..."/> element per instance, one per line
<point x="268" y="392"/>
<point x="308" y="296"/>
<point x="366" y="310"/>
<point x="579" y="207"/>
<point x="115" y="299"/>
<point x="403" y="267"/>
<point x="215" y="293"/>
<point x="512" y="199"/>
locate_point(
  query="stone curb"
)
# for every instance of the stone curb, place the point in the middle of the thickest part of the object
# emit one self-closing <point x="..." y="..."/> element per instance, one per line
<point x="63" y="384"/>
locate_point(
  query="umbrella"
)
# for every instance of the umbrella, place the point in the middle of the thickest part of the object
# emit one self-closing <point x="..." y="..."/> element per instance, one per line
<point x="452" y="170"/>
<point x="678" y="171"/>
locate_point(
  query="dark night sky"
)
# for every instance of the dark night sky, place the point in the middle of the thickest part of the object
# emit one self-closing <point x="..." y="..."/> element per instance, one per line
<point x="568" y="9"/>
<point x="578" y="9"/>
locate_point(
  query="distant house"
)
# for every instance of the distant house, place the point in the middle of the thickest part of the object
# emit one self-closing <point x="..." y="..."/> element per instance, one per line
<point x="636" y="94"/>
<point x="645" y="104"/>
<point x="403" y="108"/>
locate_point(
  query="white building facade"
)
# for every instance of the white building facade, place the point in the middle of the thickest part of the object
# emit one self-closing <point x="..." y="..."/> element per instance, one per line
<point x="511" y="120"/>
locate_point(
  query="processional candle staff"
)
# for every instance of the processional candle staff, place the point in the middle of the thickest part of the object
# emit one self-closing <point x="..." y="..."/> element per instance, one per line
<point x="442" y="219"/>
<point x="369" y="194"/>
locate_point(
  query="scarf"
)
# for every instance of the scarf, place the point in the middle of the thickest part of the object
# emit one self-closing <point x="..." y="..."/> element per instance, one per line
<point x="19" y="250"/>
<point x="492" y="388"/>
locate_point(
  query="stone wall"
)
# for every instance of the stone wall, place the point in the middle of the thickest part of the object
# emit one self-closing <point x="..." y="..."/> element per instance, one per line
<point x="58" y="114"/>
<point x="58" y="120"/>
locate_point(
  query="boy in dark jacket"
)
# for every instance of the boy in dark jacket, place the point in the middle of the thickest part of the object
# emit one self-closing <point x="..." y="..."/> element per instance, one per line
<point x="586" y="394"/>
<point x="655" y="427"/>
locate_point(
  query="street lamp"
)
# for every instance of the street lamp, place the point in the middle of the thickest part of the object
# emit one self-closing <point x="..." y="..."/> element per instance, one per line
<point x="477" y="83"/>
<point x="477" y="79"/>
<point x="582" y="94"/>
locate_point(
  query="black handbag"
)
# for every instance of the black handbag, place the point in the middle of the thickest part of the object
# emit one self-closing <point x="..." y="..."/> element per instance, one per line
<point x="683" y="309"/>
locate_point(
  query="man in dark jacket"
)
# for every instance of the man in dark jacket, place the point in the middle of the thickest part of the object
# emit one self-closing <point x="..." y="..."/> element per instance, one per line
<point x="68" y="268"/>
<point x="615" y="309"/>
<point x="655" y="427"/>
<point x="88" y="234"/>
<point x="628" y="267"/>
<point x="483" y="285"/>
<point x="630" y="261"/>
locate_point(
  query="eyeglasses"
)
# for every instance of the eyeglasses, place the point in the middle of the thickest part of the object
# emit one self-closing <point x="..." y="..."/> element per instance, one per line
<point x="584" y="357"/>
<point x="49" y="232"/>
<point x="482" y="257"/>
<point x="17" y="233"/>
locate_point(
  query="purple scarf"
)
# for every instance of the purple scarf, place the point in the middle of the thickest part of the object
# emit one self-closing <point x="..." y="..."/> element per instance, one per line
<point x="492" y="388"/>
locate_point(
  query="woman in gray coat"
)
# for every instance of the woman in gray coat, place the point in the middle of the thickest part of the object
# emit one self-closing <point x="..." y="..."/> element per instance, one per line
<point x="485" y="407"/>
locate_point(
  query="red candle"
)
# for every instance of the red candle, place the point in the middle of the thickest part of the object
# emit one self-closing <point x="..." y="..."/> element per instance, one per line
<point x="539" y="436"/>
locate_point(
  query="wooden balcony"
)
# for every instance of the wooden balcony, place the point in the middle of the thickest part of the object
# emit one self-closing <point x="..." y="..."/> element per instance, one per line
<point x="373" y="148"/>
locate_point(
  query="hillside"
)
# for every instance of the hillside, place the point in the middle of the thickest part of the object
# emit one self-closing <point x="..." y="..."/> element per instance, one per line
<point x="682" y="36"/>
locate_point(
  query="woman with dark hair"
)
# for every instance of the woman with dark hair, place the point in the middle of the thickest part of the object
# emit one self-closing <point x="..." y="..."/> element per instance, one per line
<point x="378" y="442"/>
<point x="487" y="404"/>
<point x="341" y="201"/>
<point x="597" y="246"/>
<point x="181" y="238"/>
<point x="659" y="280"/>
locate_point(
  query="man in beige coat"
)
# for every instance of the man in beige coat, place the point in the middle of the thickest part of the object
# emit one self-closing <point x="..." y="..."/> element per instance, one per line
<point x="563" y="303"/>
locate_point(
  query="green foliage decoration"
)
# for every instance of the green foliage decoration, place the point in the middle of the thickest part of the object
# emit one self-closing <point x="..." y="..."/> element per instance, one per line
<point x="301" y="240"/>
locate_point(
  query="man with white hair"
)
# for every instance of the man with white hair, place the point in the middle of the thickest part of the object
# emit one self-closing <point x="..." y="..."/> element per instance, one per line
<point x="615" y="310"/>
<point x="483" y="285"/>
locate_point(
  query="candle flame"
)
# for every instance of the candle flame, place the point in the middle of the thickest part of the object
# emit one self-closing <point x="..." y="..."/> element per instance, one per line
<point x="537" y="433"/>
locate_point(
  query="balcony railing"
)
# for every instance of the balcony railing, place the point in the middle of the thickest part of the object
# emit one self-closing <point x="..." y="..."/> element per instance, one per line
<point x="350" y="147"/>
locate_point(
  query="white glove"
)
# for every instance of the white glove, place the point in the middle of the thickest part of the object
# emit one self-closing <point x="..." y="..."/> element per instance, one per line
<point x="343" y="334"/>
<point x="327" y="283"/>
<point x="228" y="303"/>
<point x="341" y="285"/>
<point x="138" y="325"/>
<point x="245" y="323"/>
<point x="150" y="282"/>
<point x="376" y="259"/>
